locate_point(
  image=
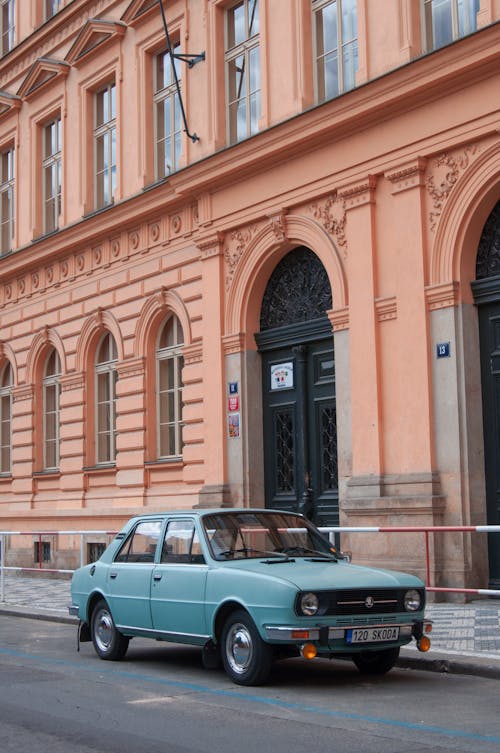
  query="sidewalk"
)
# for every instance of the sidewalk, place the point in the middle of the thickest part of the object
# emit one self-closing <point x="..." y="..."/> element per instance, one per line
<point x="465" y="637"/>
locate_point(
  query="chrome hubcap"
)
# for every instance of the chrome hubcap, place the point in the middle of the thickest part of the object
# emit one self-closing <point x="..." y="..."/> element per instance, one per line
<point x="104" y="629"/>
<point x="239" y="648"/>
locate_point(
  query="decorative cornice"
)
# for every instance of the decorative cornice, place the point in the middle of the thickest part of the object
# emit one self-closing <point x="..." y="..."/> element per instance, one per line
<point x="9" y="102"/>
<point x="41" y="73"/>
<point x="386" y="308"/>
<point x="443" y="295"/>
<point x="137" y="9"/>
<point x="94" y="33"/>
<point x="72" y="382"/>
<point x="359" y="193"/>
<point x="133" y="367"/>
<point x="410" y="175"/>
<point x="192" y="353"/>
<point x="234" y="343"/>
<point x="210" y="245"/>
<point x="339" y="318"/>
<point x="25" y="392"/>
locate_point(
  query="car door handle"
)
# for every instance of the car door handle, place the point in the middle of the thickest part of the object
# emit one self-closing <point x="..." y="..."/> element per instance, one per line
<point x="113" y="575"/>
<point x="157" y="576"/>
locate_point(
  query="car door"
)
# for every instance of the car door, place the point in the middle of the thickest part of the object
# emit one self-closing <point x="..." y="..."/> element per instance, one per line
<point x="179" y="583"/>
<point x="129" y="577"/>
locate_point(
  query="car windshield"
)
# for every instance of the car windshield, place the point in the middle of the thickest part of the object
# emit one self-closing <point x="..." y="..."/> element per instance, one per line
<point x="248" y="535"/>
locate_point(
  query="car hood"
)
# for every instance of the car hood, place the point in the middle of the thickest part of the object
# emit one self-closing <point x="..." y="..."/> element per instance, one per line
<point x="310" y="575"/>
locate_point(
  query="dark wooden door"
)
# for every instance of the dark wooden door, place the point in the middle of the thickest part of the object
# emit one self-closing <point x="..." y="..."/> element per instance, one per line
<point x="489" y="328"/>
<point x="300" y="430"/>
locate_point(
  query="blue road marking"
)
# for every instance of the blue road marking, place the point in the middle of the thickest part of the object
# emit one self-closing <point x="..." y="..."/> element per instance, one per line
<point x="258" y="700"/>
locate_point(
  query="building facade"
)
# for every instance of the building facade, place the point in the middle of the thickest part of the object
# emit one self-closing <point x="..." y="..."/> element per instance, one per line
<point x="256" y="265"/>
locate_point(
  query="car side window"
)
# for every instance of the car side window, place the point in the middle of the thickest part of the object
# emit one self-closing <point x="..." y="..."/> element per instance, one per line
<point x="181" y="543"/>
<point x="141" y="545"/>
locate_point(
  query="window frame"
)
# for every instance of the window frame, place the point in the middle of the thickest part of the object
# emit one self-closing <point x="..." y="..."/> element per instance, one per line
<point x="428" y="22"/>
<point x="7" y="189"/>
<point x="102" y="131"/>
<point x="317" y="7"/>
<point x="50" y="381"/>
<point x="162" y="355"/>
<point x="50" y="8"/>
<point x="106" y="369"/>
<point x="7" y="26"/>
<point x="6" y="391"/>
<point x="50" y="163"/>
<point x="162" y="94"/>
<point x="244" y="48"/>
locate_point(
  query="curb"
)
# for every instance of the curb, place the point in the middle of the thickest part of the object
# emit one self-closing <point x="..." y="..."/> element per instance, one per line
<point x="477" y="666"/>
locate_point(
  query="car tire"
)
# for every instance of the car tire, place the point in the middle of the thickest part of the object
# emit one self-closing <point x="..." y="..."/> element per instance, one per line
<point x="247" y="659"/>
<point x="108" y="642"/>
<point x="376" y="662"/>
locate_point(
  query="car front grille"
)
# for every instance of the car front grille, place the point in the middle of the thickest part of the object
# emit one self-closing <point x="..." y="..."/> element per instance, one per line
<point x="364" y="601"/>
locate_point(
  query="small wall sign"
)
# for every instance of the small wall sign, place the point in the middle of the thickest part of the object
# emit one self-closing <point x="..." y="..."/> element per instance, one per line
<point x="233" y="388"/>
<point x="233" y="403"/>
<point x="443" y="350"/>
<point x="282" y="376"/>
<point x="233" y="425"/>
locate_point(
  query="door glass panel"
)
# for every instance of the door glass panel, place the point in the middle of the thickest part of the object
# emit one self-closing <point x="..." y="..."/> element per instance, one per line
<point x="284" y="439"/>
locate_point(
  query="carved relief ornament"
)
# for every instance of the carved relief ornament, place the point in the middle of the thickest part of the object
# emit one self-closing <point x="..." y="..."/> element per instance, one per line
<point x="236" y="243"/>
<point x="444" y="173"/>
<point x="331" y="214"/>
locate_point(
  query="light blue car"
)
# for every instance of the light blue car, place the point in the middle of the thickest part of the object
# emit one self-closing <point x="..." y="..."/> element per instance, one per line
<point x="249" y="587"/>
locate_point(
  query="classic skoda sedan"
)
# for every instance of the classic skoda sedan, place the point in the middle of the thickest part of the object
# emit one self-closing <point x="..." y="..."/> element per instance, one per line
<point x="249" y="587"/>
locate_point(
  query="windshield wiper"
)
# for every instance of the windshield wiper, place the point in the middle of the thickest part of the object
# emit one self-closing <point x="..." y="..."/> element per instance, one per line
<point x="302" y="551"/>
<point x="278" y="556"/>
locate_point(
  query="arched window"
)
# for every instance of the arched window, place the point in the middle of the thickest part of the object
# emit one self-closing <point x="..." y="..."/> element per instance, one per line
<point x="169" y="362"/>
<point x="51" y="392"/>
<point x="106" y="377"/>
<point x="6" y="382"/>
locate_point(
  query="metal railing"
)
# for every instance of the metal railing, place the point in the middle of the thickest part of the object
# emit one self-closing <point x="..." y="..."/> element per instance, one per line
<point x="426" y="531"/>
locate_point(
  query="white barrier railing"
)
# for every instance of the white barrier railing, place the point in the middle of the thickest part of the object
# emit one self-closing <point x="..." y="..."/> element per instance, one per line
<point x="331" y="530"/>
<point x="426" y="530"/>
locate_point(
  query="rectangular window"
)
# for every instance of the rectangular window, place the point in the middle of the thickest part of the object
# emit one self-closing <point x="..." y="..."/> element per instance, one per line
<point x="105" y="145"/>
<point x="335" y="46"/>
<point x="6" y="200"/>
<point x="447" y="20"/>
<point x="51" y="167"/>
<point x="8" y="25"/>
<point x="167" y="114"/>
<point x="243" y="69"/>
<point x="106" y="415"/>
<point x="41" y="551"/>
<point x="51" y="7"/>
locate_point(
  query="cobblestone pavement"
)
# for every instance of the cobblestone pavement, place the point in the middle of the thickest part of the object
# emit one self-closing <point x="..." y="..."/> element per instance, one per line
<point x="467" y="629"/>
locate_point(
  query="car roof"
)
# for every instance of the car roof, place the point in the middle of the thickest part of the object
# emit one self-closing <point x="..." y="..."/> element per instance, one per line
<point x="191" y="512"/>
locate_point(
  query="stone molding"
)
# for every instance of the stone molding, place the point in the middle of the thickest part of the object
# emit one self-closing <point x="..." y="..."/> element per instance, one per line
<point x="443" y="295"/>
<point x="386" y="308"/>
<point x="405" y="177"/>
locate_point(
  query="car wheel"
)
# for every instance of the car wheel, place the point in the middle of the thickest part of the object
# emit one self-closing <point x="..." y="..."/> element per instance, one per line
<point x="108" y="642"/>
<point x="376" y="662"/>
<point x="246" y="657"/>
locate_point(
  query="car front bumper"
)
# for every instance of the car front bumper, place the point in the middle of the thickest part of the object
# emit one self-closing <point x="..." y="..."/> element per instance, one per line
<point x="336" y="637"/>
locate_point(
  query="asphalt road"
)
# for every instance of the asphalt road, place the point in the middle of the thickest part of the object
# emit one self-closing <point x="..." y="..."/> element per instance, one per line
<point x="161" y="700"/>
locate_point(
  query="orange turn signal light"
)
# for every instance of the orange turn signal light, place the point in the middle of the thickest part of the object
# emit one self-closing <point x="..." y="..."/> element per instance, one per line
<point x="302" y="635"/>
<point x="308" y="651"/>
<point x="424" y="643"/>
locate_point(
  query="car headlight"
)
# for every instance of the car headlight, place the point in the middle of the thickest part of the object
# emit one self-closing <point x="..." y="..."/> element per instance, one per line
<point x="412" y="600"/>
<point x="309" y="604"/>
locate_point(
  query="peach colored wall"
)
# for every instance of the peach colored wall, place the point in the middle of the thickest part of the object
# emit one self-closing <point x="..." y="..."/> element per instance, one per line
<point x="389" y="184"/>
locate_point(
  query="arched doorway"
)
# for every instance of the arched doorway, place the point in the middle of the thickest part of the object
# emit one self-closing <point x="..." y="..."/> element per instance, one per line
<point x="486" y="289"/>
<point x="298" y="387"/>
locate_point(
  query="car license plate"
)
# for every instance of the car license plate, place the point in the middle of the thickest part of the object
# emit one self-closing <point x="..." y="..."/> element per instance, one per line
<point x="372" y="635"/>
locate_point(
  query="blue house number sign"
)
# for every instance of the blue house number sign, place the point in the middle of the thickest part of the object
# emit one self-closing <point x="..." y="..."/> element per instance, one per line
<point x="443" y="350"/>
